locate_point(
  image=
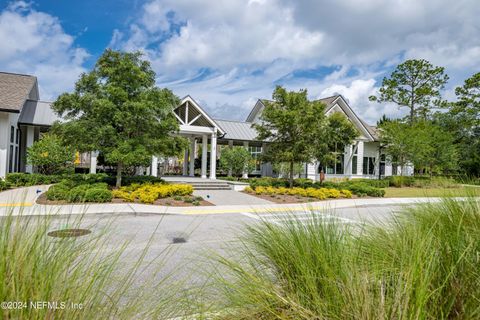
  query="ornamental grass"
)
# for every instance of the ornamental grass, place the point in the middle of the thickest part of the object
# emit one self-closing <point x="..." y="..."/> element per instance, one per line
<point x="424" y="264"/>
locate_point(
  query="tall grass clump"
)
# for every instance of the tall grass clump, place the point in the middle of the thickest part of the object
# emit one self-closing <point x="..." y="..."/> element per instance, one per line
<point x="88" y="271"/>
<point x="424" y="264"/>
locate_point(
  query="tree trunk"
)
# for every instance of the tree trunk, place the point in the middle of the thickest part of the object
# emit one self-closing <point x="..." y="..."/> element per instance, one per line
<point x="119" y="175"/>
<point x="291" y="174"/>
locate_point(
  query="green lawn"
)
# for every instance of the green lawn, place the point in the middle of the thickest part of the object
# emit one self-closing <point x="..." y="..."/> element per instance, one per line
<point x="430" y="192"/>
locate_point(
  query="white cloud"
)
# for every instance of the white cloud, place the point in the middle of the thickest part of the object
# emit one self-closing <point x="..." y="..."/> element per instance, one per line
<point x="35" y="43"/>
<point x="357" y="93"/>
<point x="233" y="39"/>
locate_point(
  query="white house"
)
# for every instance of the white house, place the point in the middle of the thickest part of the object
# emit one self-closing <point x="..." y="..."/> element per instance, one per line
<point x="24" y="117"/>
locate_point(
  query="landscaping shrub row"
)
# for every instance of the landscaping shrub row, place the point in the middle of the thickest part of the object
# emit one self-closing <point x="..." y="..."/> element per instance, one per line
<point x="321" y="193"/>
<point x="360" y="187"/>
<point x="26" y="179"/>
<point x="148" y="193"/>
<point x="67" y="190"/>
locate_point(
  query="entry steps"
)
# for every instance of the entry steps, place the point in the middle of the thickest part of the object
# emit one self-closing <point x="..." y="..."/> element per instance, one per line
<point x="208" y="185"/>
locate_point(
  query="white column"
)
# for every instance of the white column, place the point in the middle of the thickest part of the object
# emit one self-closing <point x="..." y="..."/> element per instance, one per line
<point x="185" y="162"/>
<point x="245" y="172"/>
<point x="192" y="157"/>
<point x="93" y="161"/>
<point x="4" y="139"/>
<point x="360" y="157"/>
<point x="154" y="168"/>
<point x="204" y="156"/>
<point x="230" y="145"/>
<point x="347" y="164"/>
<point x="30" y="135"/>
<point x="213" y="155"/>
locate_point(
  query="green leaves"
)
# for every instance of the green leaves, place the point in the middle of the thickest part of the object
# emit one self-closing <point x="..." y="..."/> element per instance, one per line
<point x="236" y="159"/>
<point x="117" y="110"/>
<point x="415" y="84"/>
<point x="50" y="155"/>
<point x="298" y="129"/>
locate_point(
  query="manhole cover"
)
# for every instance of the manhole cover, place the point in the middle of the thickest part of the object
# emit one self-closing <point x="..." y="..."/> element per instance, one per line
<point x="67" y="233"/>
<point x="179" y="240"/>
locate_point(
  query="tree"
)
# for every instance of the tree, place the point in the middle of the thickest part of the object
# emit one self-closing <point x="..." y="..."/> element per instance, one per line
<point x="340" y="132"/>
<point x="432" y="148"/>
<point x="237" y="160"/>
<point x="395" y="138"/>
<point x="463" y="119"/>
<point x="425" y="145"/>
<point x="414" y="84"/>
<point x="117" y="110"/>
<point x="297" y="130"/>
<point x="50" y="155"/>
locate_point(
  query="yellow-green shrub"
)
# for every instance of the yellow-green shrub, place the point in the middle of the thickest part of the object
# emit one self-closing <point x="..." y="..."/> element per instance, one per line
<point x="148" y="193"/>
<point x="322" y="193"/>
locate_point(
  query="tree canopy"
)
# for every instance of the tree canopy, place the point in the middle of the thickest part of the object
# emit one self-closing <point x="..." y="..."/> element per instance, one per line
<point x="416" y="85"/>
<point x="297" y="129"/>
<point x="117" y="109"/>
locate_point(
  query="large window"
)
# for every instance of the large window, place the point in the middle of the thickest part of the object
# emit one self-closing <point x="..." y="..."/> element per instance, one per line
<point x="336" y="167"/>
<point x="256" y="152"/>
<point x="354" y="160"/>
<point x="368" y="165"/>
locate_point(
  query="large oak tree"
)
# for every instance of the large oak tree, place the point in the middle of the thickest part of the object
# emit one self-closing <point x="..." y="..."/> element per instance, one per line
<point x="117" y="109"/>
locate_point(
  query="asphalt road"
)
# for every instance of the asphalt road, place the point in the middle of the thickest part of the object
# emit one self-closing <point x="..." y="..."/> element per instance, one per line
<point x="184" y="245"/>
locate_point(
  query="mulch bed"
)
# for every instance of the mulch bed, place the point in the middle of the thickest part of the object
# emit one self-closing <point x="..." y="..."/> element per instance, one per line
<point x="169" y="202"/>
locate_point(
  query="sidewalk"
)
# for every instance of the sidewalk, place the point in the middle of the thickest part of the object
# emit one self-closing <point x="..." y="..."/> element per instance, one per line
<point x="135" y="208"/>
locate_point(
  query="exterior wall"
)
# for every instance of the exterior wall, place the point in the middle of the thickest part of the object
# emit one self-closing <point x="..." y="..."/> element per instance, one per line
<point x="9" y="146"/>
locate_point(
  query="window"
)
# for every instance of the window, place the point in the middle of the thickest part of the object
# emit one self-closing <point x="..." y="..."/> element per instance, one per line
<point x="368" y="165"/>
<point x="354" y="159"/>
<point x="337" y="166"/>
<point x="256" y="152"/>
<point x="17" y="158"/>
<point x="382" y="164"/>
<point x="17" y="138"/>
<point x="10" y="160"/>
<point x="12" y="134"/>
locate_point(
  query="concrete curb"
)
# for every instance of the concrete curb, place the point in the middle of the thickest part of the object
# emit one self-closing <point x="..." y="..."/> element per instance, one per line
<point x="135" y="208"/>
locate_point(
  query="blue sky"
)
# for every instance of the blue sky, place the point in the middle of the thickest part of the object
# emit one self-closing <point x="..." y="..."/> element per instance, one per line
<point x="228" y="53"/>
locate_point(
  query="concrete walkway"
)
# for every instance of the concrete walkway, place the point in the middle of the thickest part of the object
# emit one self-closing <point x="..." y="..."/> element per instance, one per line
<point x="21" y="196"/>
<point x="229" y="197"/>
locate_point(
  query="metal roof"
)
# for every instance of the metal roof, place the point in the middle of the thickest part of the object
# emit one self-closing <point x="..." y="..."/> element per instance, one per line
<point x="237" y="130"/>
<point x="14" y="90"/>
<point x="37" y="113"/>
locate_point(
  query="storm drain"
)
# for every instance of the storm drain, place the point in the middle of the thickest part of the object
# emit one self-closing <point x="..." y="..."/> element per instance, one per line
<point x="178" y="240"/>
<point x="69" y="233"/>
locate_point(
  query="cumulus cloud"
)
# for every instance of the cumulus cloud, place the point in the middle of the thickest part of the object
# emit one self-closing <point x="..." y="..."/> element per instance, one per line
<point x="357" y="92"/>
<point x="227" y="53"/>
<point x="35" y="43"/>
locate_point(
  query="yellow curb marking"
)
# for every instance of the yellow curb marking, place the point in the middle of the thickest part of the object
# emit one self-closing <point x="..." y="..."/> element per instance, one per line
<point x="274" y="209"/>
<point x="18" y="204"/>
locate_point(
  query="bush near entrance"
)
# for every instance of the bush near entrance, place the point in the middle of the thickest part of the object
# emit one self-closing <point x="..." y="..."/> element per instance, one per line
<point x="148" y="193"/>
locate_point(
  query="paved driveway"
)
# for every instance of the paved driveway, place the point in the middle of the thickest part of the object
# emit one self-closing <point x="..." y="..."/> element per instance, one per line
<point x="229" y="197"/>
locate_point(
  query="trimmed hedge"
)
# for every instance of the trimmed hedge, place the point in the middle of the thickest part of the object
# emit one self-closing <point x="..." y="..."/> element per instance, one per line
<point x="68" y="191"/>
<point x="359" y="187"/>
<point x="3" y="185"/>
<point x="32" y="179"/>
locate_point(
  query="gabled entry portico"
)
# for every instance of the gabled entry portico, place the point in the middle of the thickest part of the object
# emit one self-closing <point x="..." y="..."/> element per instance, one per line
<point x="196" y="125"/>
